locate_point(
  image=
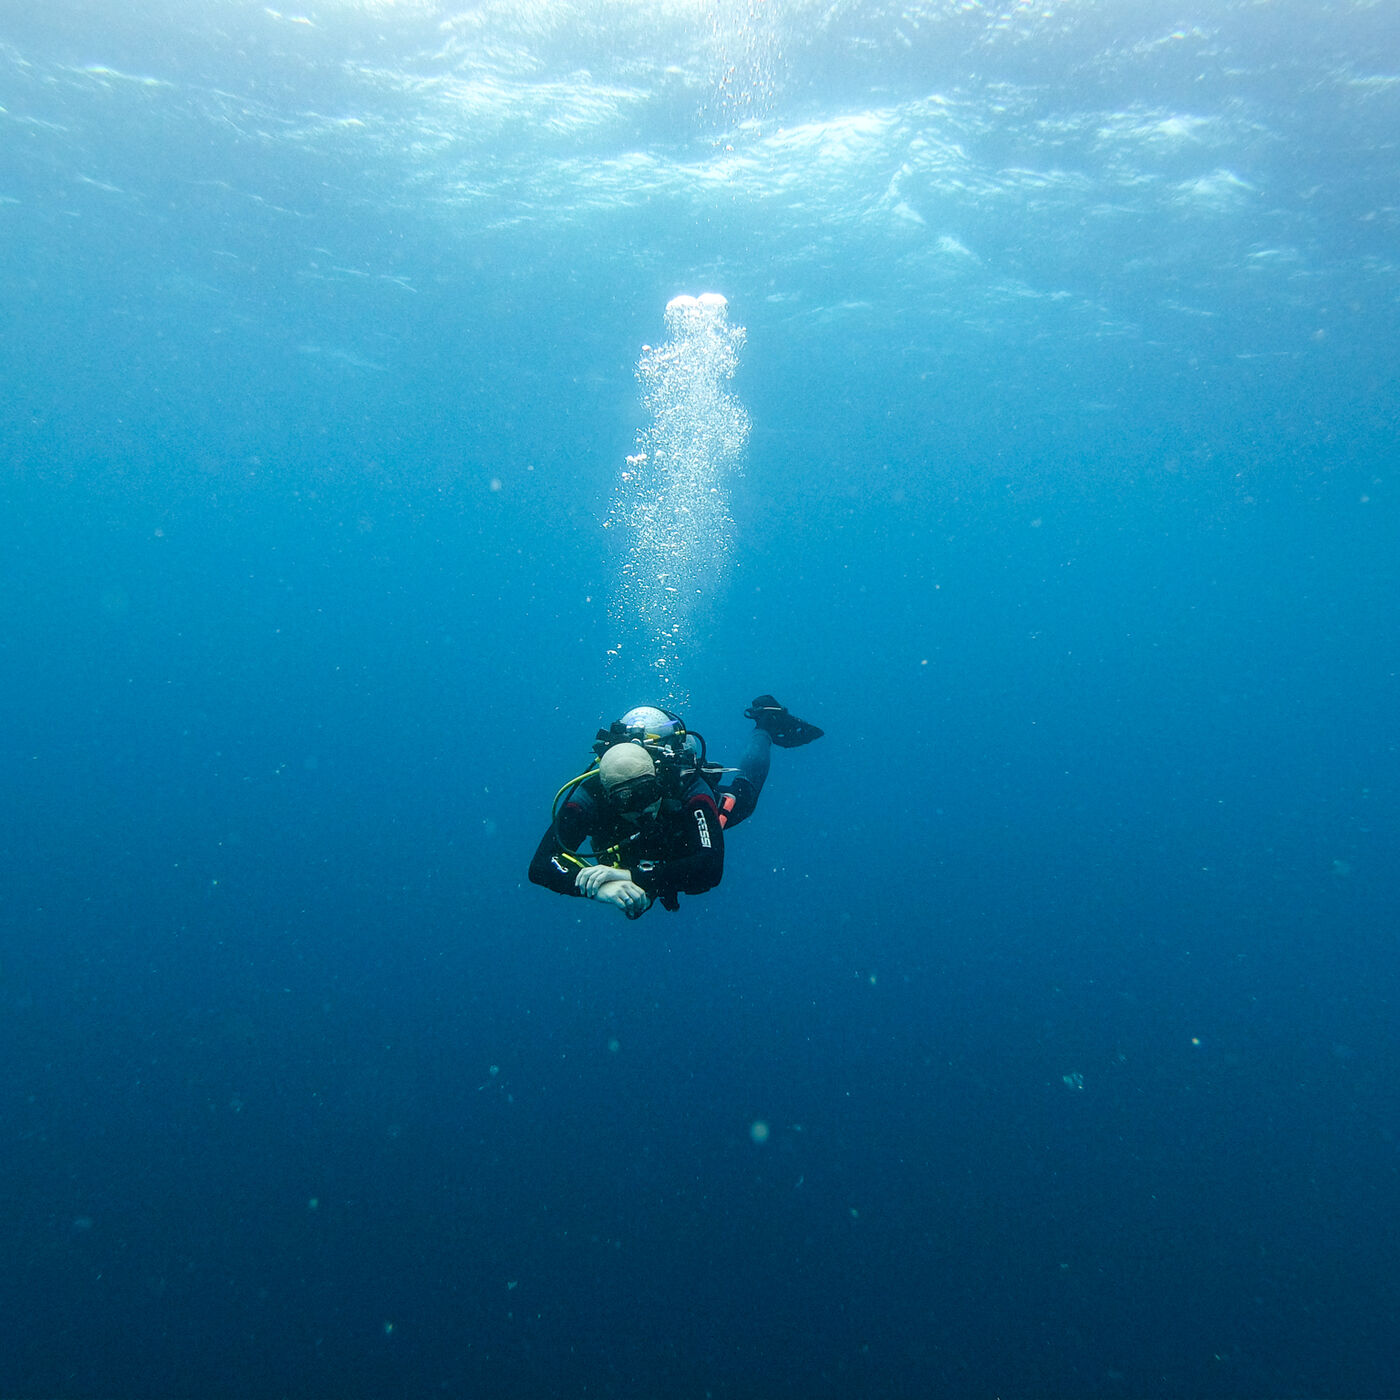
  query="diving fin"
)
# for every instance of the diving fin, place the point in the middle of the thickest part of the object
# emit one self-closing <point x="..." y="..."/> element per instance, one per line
<point x="783" y="727"/>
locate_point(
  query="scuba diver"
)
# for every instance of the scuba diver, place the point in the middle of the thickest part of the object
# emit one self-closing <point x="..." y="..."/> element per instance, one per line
<point x="654" y="810"/>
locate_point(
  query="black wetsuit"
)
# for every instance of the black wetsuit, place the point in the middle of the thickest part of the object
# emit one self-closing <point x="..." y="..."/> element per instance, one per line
<point x="679" y="851"/>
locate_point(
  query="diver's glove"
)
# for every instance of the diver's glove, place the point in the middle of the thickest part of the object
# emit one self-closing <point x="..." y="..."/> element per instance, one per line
<point x="632" y="899"/>
<point x="592" y="878"/>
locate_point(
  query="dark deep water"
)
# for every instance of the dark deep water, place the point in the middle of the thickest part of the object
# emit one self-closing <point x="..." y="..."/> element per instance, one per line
<point x="1063" y="970"/>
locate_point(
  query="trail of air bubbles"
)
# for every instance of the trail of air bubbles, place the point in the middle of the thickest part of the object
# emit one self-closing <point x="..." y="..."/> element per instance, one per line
<point x="671" y="507"/>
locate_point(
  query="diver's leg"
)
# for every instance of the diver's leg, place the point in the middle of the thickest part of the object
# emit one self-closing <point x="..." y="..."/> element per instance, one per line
<point x="739" y="796"/>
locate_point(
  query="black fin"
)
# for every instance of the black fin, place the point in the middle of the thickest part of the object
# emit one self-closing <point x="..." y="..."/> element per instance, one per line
<point x="783" y="727"/>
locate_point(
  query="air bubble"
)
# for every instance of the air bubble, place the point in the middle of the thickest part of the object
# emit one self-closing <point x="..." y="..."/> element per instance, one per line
<point x="671" y="504"/>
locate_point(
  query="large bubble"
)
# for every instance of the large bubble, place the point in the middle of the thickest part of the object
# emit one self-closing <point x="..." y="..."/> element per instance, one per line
<point x="671" y="506"/>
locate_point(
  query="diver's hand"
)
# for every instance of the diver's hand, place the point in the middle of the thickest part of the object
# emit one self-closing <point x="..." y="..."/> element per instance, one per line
<point x="592" y="879"/>
<point x="624" y="895"/>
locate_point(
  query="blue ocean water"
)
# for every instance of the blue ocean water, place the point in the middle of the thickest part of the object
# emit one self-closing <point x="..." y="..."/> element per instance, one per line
<point x="1061" y="972"/>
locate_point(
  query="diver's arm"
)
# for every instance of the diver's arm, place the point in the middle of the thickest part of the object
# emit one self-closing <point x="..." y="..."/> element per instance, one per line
<point x="701" y="867"/>
<point x="554" y="868"/>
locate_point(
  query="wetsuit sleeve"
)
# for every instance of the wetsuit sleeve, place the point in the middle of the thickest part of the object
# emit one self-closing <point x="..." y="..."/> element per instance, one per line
<point x="553" y="867"/>
<point x="697" y="860"/>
